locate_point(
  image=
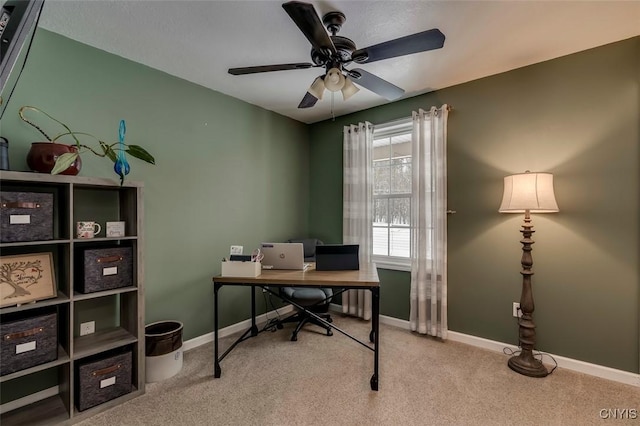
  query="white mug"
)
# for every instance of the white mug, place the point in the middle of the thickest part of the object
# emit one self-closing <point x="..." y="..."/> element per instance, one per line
<point x="88" y="229"/>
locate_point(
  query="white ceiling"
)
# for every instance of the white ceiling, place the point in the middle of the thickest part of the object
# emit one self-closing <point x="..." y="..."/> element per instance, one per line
<point x="199" y="40"/>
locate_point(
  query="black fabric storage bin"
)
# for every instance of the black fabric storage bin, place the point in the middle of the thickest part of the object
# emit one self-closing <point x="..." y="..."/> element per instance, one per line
<point x="105" y="269"/>
<point x="26" y="216"/>
<point x="28" y="342"/>
<point x="102" y="380"/>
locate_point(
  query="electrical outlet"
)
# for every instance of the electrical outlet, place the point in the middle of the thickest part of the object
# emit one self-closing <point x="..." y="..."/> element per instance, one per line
<point x="516" y="310"/>
<point x="87" y="328"/>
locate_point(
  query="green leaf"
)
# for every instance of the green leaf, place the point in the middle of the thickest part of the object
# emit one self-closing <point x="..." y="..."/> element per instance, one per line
<point x="63" y="162"/>
<point x="140" y="153"/>
<point x="111" y="154"/>
<point x="108" y="151"/>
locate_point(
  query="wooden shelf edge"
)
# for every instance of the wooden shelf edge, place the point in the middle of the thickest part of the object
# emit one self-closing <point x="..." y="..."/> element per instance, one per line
<point x="101" y="341"/>
<point x="102" y="239"/>
<point x="90" y="412"/>
<point x="64" y="179"/>
<point x="35" y="243"/>
<point x="58" y="300"/>
<point x="44" y="412"/>
<point x="85" y="296"/>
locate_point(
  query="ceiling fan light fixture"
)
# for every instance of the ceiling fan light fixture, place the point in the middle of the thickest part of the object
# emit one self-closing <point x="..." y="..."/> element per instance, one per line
<point x="317" y="88"/>
<point x="334" y="80"/>
<point x="349" y="89"/>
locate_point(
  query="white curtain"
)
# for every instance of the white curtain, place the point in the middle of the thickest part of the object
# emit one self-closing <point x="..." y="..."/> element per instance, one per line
<point x="428" y="314"/>
<point x="357" y="207"/>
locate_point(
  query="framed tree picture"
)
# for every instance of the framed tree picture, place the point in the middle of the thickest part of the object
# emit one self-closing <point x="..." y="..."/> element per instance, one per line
<point x="26" y="278"/>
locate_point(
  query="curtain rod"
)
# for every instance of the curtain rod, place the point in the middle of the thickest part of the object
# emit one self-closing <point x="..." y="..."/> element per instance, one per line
<point x="405" y="119"/>
<point x="402" y="120"/>
<point x="449" y="108"/>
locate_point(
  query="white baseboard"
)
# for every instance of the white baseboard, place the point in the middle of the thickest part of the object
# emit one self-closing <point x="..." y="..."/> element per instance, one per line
<point x="492" y="345"/>
<point x="563" y="362"/>
<point x="29" y="399"/>
<point x="234" y="328"/>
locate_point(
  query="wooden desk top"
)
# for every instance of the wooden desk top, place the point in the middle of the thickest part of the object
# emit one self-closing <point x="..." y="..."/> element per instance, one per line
<point x="366" y="277"/>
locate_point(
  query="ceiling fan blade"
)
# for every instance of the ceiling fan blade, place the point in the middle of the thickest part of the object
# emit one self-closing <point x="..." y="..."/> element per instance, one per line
<point x="268" y="68"/>
<point x="308" y="101"/>
<point x="306" y="18"/>
<point x="414" y="43"/>
<point x="375" y="84"/>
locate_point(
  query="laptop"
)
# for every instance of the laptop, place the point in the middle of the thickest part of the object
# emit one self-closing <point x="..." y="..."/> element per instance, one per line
<point x="337" y="257"/>
<point x="283" y="256"/>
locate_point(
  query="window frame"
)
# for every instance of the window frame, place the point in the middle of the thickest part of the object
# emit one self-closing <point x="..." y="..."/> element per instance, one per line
<point x="387" y="131"/>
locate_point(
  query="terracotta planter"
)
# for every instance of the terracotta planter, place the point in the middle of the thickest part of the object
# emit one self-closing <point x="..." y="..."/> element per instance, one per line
<point x="42" y="157"/>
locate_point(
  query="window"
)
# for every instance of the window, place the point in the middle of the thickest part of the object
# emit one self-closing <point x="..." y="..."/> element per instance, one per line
<point x="392" y="195"/>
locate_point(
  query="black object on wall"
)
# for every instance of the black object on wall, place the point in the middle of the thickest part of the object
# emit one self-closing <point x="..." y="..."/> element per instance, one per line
<point x="18" y="19"/>
<point x="4" y="154"/>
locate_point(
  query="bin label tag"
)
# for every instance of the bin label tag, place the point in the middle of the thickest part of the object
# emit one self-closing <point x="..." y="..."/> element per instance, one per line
<point x="26" y="347"/>
<point x="107" y="382"/>
<point x="110" y="271"/>
<point x="19" y="219"/>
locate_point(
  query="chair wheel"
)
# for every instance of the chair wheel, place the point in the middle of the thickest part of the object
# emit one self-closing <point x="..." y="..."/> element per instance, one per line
<point x="279" y="326"/>
<point x="329" y="319"/>
<point x="329" y="333"/>
<point x="294" y="338"/>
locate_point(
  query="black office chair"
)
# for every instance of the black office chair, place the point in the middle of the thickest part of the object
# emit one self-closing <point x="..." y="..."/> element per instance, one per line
<point x="315" y="299"/>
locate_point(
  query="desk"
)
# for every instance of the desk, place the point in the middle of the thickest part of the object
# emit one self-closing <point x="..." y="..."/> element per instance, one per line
<point x="364" y="279"/>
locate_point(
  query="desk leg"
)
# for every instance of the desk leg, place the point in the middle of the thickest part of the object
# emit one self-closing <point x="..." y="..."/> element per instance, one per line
<point x="217" y="372"/>
<point x="254" y="327"/>
<point x="375" y="323"/>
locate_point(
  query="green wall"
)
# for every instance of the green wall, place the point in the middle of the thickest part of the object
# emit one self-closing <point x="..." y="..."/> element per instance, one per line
<point x="577" y="117"/>
<point x="226" y="172"/>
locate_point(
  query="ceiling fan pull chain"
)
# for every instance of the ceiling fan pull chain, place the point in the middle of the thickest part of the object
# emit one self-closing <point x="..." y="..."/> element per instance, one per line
<point x="333" y="116"/>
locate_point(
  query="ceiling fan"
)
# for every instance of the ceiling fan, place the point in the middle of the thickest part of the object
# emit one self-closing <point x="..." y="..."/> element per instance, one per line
<point x="334" y="53"/>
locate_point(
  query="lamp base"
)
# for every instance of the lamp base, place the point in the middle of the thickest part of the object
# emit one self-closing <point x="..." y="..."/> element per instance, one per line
<point x="527" y="365"/>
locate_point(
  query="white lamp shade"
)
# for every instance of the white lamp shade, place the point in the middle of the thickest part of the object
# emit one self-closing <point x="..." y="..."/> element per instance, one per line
<point x="529" y="191"/>
<point x="349" y="89"/>
<point x="334" y="80"/>
<point x="317" y="88"/>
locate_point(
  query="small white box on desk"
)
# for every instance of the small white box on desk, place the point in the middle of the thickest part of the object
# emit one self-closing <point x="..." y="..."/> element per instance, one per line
<point x="241" y="269"/>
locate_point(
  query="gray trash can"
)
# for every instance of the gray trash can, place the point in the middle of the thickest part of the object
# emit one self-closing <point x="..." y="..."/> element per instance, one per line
<point x="163" y="350"/>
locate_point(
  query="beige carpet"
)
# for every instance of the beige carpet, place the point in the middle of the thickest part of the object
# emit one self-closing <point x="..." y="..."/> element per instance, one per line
<point x="322" y="380"/>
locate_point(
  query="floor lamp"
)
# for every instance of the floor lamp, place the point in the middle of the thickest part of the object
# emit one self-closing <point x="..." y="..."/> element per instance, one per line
<point x="528" y="193"/>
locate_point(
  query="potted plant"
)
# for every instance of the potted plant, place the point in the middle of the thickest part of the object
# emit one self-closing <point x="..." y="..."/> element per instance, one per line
<point x="58" y="158"/>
